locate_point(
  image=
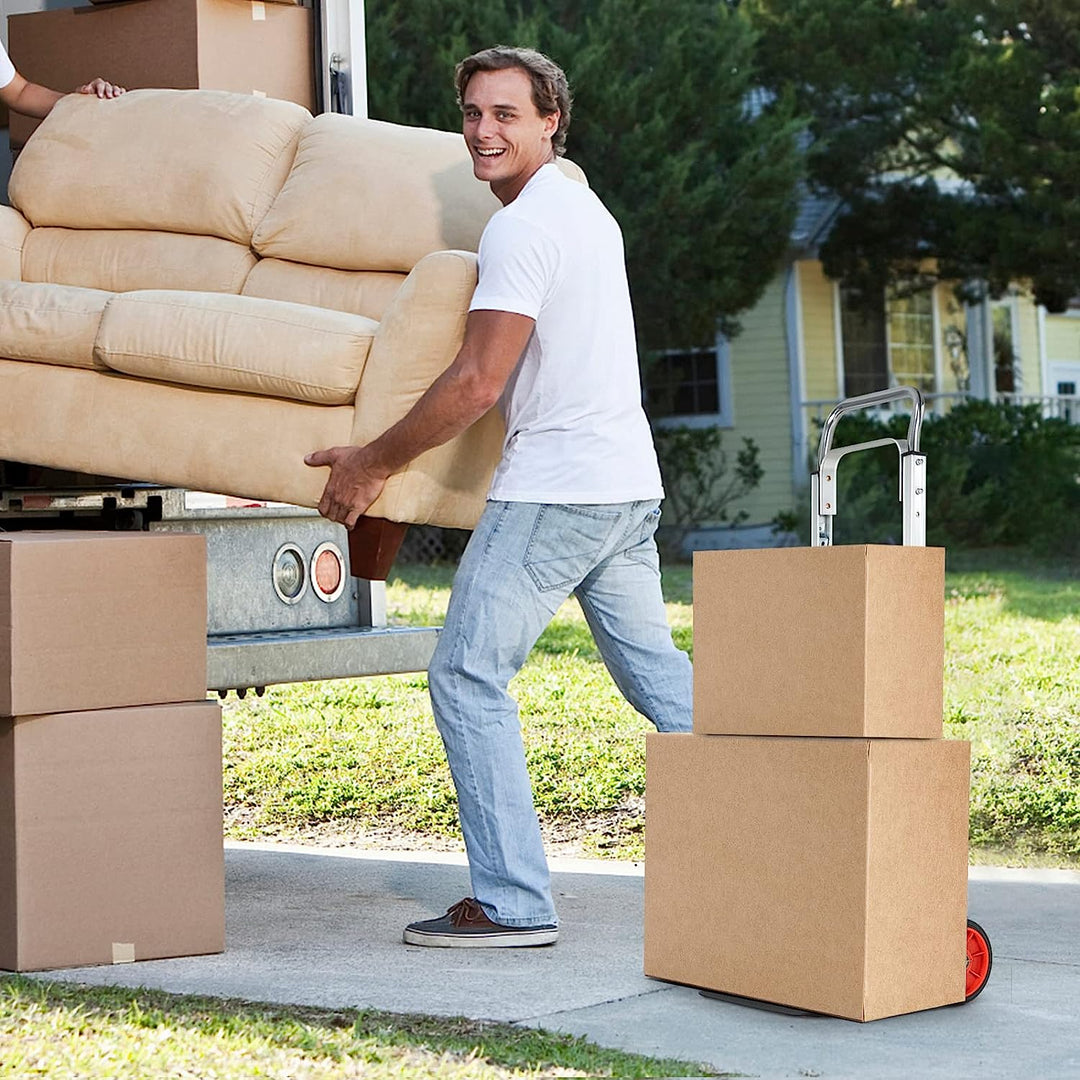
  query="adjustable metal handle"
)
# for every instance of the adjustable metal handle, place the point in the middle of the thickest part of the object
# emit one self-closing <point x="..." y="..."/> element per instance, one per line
<point x="912" y="467"/>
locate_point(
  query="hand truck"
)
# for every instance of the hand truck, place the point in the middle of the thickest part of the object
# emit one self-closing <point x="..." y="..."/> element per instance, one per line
<point x="823" y="493"/>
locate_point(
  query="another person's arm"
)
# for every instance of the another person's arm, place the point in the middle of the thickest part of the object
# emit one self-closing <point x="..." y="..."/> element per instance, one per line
<point x="494" y="340"/>
<point x="22" y="96"/>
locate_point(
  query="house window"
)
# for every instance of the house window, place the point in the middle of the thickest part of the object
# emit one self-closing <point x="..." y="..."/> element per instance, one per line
<point x="866" y="358"/>
<point x="1006" y="364"/>
<point x="887" y="344"/>
<point x="688" y="384"/>
<point x="911" y="340"/>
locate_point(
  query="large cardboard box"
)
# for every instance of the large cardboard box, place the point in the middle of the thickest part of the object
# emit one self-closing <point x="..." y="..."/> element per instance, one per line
<point x="839" y="641"/>
<point x="821" y="874"/>
<point x="264" y="48"/>
<point x="95" y="620"/>
<point x="111" y="836"/>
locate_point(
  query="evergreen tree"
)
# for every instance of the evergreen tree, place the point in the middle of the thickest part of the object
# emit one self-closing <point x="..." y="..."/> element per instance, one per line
<point x="951" y="130"/>
<point x="702" y="181"/>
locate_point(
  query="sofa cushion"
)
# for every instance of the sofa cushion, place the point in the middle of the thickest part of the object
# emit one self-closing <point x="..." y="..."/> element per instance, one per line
<point x="239" y="343"/>
<point x="114" y="425"/>
<point x="366" y="195"/>
<point x="192" y="161"/>
<point x="55" y="324"/>
<point x="359" y="291"/>
<point x="122" y="260"/>
<point x="14" y="229"/>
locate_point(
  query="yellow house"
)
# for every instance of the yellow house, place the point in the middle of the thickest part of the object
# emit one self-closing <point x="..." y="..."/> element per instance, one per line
<point x="810" y="342"/>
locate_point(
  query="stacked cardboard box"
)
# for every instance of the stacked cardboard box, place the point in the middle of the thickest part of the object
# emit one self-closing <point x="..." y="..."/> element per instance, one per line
<point x="807" y="844"/>
<point x="110" y="754"/>
<point x="238" y="45"/>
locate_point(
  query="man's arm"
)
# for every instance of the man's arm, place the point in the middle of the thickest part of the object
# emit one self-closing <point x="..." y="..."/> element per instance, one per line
<point x="494" y="340"/>
<point x="30" y="99"/>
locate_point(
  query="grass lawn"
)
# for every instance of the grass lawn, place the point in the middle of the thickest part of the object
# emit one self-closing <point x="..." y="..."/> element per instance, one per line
<point x="106" y="1033"/>
<point x="359" y="761"/>
<point x="1012" y="686"/>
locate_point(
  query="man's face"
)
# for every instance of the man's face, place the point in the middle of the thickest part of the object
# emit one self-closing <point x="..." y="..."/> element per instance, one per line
<point x="506" y="135"/>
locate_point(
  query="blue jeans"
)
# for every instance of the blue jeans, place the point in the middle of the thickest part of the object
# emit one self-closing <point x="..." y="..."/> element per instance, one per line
<point x="522" y="562"/>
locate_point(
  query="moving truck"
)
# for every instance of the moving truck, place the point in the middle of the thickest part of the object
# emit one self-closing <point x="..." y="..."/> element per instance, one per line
<point x="282" y="604"/>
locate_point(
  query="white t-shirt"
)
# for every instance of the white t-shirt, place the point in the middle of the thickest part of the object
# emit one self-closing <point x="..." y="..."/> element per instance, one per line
<point x="575" y="428"/>
<point x="7" y="68"/>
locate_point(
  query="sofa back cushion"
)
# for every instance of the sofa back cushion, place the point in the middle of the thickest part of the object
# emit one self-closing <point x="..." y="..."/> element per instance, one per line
<point x="193" y="161"/>
<point x="121" y="260"/>
<point x="237" y="343"/>
<point x="361" y="292"/>
<point x="53" y="324"/>
<point x="367" y="195"/>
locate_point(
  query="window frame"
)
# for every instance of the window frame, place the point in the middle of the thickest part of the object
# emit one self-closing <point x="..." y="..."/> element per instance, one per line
<point x="725" y="416"/>
<point x="937" y="372"/>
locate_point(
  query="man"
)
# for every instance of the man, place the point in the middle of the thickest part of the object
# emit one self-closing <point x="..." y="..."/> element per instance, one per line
<point x="30" y="99"/>
<point x="575" y="499"/>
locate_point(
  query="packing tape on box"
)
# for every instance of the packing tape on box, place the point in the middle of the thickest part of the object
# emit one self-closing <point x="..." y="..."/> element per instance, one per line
<point x="123" y="952"/>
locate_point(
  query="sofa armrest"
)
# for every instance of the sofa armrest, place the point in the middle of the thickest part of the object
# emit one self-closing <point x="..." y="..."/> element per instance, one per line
<point x="13" y="231"/>
<point x="418" y="338"/>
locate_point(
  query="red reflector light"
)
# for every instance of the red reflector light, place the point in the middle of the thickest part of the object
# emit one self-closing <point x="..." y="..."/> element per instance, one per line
<point x="328" y="572"/>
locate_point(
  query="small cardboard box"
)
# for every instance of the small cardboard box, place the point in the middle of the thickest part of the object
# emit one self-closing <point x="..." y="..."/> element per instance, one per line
<point x="840" y="641"/>
<point x="95" y="620"/>
<point x="111" y="836"/>
<point x="820" y="874"/>
<point x="264" y="48"/>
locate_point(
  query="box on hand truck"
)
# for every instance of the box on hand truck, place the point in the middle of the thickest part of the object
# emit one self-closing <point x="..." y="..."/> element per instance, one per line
<point x="807" y="845"/>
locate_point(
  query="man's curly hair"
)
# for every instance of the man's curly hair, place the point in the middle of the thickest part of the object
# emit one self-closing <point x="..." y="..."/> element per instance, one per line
<point x="550" y="90"/>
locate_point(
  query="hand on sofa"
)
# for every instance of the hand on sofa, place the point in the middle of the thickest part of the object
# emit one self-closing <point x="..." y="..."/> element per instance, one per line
<point x="102" y="88"/>
<point x="353" y="485"/>
<point x="32" y="99"/>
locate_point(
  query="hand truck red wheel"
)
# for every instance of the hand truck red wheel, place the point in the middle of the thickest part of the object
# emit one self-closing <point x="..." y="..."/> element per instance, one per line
<point x="980" y="958"/>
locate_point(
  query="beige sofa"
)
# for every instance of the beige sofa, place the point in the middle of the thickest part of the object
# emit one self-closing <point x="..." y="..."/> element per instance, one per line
<point x="198" y="288"/>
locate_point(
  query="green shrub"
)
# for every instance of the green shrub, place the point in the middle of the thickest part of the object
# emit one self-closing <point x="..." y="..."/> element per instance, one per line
<point x="998" y="475"/>
<point x="1027" y="799"/>
<point x="700" y="481"/>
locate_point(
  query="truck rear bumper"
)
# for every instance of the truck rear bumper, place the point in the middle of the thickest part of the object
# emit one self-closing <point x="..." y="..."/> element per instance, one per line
<point x="240" y="661"/>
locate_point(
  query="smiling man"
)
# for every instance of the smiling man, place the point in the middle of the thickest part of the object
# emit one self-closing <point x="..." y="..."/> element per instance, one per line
<point x="574" y="501"/>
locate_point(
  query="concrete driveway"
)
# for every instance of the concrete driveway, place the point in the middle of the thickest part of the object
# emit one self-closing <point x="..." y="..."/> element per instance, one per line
<point x="323" y="927"/>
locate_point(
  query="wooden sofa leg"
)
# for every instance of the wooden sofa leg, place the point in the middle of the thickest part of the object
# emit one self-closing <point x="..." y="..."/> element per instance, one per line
<point x="373" y="546"/>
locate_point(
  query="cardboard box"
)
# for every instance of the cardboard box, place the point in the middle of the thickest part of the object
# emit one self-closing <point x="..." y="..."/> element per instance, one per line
<point x="111" y="836"/>
<point x="234" y="45"/>
<point x="840" y="641"/>
<point x="821" y="874"/>
<point x="95" y="620"/>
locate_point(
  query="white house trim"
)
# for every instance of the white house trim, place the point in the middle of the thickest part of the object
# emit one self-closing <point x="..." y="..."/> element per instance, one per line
<point x="838" y="339"/>
<point x="980" y="338"/>
<point x="1044" y="360"/>
<point x="935" y="329"/>
<point x="796" y="347"/>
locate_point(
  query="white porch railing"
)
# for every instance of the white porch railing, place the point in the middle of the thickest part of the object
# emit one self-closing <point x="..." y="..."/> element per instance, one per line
<point x="1059" y="406"/>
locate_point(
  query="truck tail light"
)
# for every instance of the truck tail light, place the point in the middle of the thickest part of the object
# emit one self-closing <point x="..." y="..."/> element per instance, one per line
<point x="328" y="572"/>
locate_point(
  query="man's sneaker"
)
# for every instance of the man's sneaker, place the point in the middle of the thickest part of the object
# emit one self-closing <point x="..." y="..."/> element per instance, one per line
<point x="466" y="925"/>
